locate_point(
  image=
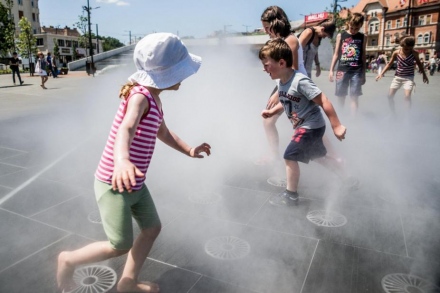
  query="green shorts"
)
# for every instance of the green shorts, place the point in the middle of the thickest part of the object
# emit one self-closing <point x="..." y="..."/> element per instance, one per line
<point x="117" y="210"/>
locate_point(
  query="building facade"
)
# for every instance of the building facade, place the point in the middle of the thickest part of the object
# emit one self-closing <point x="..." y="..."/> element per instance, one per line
<point x="25" y="8"/>
<point x="388" y="20"/>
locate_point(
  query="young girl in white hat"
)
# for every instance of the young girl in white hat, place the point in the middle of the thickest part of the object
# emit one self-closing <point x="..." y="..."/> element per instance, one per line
<point x="162" y="62"/>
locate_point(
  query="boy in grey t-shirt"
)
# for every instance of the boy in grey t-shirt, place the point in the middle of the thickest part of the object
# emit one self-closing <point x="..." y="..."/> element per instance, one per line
<point x="301" y="100"/>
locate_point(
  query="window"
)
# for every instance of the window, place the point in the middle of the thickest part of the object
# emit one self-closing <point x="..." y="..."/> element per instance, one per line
<point x="405" y="21"/>
<point x="32" y="3"/>
<point x="373" y="27"/>
<point x="60" y="43"/>
<point x="20" y="2"/>
<point x="40" y="42"/>
<point x="75" y="44"/>
<point x="35" y="31"/>
<point x="68" y="43"/>
<point x="33" y="17"/>
<point x="387" y="40"/>
<point x="428" y="18"/>
<point x="426" y="38"/>
<point x="398" y="23"/>
<point x="422" y="20"/>
<point x="373" y="42"/>
<point x="388" y="24"/>
<point x="419" y="39"/>
<point x="20" y="14"/>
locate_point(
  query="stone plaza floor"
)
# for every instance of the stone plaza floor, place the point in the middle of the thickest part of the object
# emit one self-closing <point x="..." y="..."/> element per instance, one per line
<point x="219" y="231"/>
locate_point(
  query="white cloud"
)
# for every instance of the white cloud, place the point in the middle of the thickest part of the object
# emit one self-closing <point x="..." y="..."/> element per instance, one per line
<point x="117" y="2"/>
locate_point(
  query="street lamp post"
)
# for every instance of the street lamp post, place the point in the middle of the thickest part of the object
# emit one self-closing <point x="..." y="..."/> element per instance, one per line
<point x="88" y="8"/>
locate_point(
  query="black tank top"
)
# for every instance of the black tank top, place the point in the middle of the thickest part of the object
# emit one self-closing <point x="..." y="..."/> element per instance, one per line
<point x="351" y="51"/>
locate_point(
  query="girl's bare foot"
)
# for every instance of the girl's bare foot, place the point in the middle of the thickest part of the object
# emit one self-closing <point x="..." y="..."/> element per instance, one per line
<point x="65" y="273"/>
<point x="130" y="285"/>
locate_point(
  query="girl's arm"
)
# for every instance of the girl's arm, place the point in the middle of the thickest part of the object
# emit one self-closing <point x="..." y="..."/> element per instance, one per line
<point x="338" y="129"/>
<point x="125" y="172"/>
<point x="420" y="65"/>
<point x="305" y="37"/>
<point x="171" y="139"/>
<point x="318" y="65"/>
<point x="389" y="64"/>
<point x="294" y="46"/>
<point x="266" y="113"/>
<point x="364" y="60"/>
<point x="335" y="57"/>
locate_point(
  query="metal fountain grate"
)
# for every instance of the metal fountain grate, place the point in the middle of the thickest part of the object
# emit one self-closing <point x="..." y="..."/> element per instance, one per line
<point x="326" y="218"/>
<point x="95" y="217"/>
<point x="404" y="283"/>
<point x="205" y="198"/>
<point x="94" y="279"/>
<point x="277" y="181"/>
<point x="227" y="247"/>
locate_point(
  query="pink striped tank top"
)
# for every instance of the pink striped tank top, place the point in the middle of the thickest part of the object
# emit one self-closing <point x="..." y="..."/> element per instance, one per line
<point x="142" y="147"/>
<point x="405" y="66"/>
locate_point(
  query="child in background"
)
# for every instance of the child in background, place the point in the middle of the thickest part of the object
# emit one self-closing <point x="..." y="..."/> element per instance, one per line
<point x="162" y="62"/>
<point x="301" y="99"/>
<point x="276" y="24"/>
<point x="406" y="58"/>
<point x="40" y="69"/>
<point x="350" y="52"/>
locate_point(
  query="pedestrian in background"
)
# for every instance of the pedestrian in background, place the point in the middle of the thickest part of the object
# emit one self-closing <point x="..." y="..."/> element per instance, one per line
<point x="41" y="69"/>
<point x="14" y="64"/>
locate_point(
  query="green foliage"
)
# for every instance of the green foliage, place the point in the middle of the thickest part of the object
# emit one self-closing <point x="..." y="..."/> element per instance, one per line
<point x="109" y="43"/>
<point x="27" y="42"/>
<point x="82" y="25"/>
<point x="56" y="49"/>
<point x="7" y="32"/>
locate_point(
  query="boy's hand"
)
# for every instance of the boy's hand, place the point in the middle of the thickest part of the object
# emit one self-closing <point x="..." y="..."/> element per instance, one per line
<point x="266" y="113"/>
<point x="124" y="175"/>
<point x="340" y="131"/>
<point x="203" y="148"/>
<point x="330" y="76"/>
<point x="378" y="77"/>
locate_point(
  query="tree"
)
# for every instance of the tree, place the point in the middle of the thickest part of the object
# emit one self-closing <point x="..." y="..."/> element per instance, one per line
<point x="7" y="29"/>
<point x="109" y="43"/>
<point x="56" y="49"/>
<point x="27" y="42"/>
<point x="82" y="25"/>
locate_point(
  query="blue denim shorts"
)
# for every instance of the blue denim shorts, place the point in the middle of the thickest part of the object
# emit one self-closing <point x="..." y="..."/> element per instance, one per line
<point x="346" y="79"/>
<point x="306" y="145"/>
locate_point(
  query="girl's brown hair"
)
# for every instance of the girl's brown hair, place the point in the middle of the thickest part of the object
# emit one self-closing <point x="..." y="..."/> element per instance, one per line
<point x="125" y="90"/>
<point x="408" y="41"/>
<point x="277" y="18"/>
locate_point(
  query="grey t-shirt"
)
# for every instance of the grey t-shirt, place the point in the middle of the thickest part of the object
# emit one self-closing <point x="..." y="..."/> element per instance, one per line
<point x="296" y="95"/>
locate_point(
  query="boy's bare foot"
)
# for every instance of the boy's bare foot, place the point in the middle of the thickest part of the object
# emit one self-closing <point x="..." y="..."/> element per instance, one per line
<point x="129" y="285"/>
<point x="65" y="273"/>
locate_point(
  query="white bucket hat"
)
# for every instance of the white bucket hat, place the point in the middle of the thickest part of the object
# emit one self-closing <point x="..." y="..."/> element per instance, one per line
<point x="162" y="61"/>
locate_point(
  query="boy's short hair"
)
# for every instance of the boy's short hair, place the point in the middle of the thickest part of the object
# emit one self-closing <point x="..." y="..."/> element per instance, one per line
<point x="356" y="19"/>
<point x="277" y="49"/>
<point x="408" y="41"/>
<point x="15" y="53"/>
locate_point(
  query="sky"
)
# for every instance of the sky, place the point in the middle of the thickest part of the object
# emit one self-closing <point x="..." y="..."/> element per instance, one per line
<point x="197" y="18"/>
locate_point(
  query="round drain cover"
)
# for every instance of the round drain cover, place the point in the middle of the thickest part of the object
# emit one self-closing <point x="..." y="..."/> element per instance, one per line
<point x="277" y="181"/>
<point x="227" y="247"/>
<point x="94" y="279"/>
<point x="404" y="283"/>
<point x="326" y="218"/>
<point x="205" y="198"/>
<point x="95" y="217"/>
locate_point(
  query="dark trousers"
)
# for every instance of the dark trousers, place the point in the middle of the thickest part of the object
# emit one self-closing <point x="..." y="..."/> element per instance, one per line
<point x="14" y="71"/>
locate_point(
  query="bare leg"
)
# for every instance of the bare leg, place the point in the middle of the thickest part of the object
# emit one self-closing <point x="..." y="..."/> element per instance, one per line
<point x="391" y="95"/>
<point x="354" y="105"/>
<point x="272" y="135"/>
<point x="68" y="260"/>
<point x="135" y="259"/>
<point x="292" y="174"/>
<point x="333" y="165"/>
<point x="341" y="101"/>
<point x="408" y="99"/>
<point x="330" y="149"/>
